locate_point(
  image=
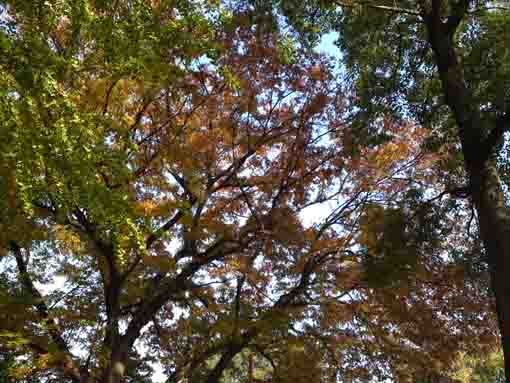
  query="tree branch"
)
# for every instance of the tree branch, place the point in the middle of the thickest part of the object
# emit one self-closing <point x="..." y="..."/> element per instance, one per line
<point x="163" y="229"/>
<point x="159" y="290"/>
<point x="66" y="364"/>
<point x="240" y="342"/>
<point x="380" y="7"/>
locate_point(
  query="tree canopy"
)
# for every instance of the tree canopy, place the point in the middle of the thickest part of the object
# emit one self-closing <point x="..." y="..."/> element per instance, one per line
<point x="190" y="189"/>
<point x="442" y="64"/>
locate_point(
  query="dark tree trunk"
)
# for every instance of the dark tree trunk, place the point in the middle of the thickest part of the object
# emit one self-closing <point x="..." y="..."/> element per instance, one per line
<point x="485" y="185"/>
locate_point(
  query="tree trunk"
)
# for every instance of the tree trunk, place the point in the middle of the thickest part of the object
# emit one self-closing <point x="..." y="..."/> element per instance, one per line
<point x="116" y="368"/>
<point x="485" y="185"/>
<point x="495" y="232"/>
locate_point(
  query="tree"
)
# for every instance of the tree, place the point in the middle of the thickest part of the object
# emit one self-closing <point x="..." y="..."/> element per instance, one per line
<point x="160" y="158"/>
<point x="442" y="64"/>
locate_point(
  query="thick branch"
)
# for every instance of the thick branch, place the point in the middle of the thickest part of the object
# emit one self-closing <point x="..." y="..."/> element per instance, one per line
<point x="163" y="229"/>
<point x="160" y="290"/>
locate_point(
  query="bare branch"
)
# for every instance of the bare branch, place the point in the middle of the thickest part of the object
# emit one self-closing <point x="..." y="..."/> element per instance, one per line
<point x="386" y="8"/>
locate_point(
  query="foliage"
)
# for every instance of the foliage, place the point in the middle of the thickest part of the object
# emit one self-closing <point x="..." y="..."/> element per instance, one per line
<point x="202" y="187"/>
<point x="480" y="368"/>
